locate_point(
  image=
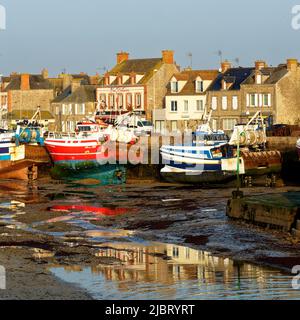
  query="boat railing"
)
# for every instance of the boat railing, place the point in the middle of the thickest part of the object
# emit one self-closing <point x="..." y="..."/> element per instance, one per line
<point x="61" y="135"/>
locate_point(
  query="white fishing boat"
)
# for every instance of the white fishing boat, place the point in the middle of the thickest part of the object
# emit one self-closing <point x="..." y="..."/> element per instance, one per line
<point x="200" y="161"/>
<point x="212" y="158"/>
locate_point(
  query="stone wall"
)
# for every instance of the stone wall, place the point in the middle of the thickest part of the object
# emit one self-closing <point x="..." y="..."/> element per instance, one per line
<point x="30" y="99"/>
<point x="282" y="144"/>
<point x="159" y="81"/>
<point x="288" y="99"/>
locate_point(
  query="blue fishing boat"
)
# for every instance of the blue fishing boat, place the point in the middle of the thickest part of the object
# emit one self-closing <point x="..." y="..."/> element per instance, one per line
<point x="213" y="158"/>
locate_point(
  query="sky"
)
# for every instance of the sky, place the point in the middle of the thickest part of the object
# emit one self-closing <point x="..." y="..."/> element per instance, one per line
<point x="85" y="35"/>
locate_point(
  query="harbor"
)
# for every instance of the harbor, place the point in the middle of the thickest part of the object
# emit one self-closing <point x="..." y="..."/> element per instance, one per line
<point x="141" y="163"/>
<point x="97" y="205"/>
<point x="94" y="238"/>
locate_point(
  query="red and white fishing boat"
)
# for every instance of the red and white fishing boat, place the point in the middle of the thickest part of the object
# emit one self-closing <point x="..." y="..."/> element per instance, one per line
<point x="92" y="144"/>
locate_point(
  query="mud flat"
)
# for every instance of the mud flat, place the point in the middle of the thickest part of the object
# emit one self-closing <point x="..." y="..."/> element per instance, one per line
<point x="28" y="280"/>
<point x="278" y="211"/>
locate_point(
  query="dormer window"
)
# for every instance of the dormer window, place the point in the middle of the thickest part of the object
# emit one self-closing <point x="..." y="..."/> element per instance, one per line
<point x="174" y="87"/>
<point x="199" y="86"/>
<point x="258" y="79"/>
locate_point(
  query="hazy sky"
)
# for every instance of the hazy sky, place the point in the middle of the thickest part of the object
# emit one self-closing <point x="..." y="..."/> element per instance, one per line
<point x="84" y="35"/>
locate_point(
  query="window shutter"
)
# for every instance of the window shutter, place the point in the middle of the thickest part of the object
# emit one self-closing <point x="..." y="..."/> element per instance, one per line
<point x="248" y="100"/>
<point x="269" y="100"/>
<point x="256" y="100"/>
<point x="260" y="100"/>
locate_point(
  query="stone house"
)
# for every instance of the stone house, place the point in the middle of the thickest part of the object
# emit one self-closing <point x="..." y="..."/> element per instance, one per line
<point x="186" y="99"/>
<point x="24" y="93"/>
<point x="76" y="103"/>
<point x="274" y="91"/>
<point x="136" y="85"/>
<point x="224" y="96"/>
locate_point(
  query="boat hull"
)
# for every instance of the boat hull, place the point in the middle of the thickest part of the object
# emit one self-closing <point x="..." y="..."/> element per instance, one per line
<point x="104" y="175"/>
<point x="87" y="154"/>
<point x="196" y="177"/>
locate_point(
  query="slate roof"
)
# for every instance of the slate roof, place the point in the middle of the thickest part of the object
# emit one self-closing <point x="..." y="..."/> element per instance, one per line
<point x="277" y="75"/>
<point x="37" y="82"/>
<point x="63" y="95"/>
<point x="190" y="77"/>
<point x="83" y="94"/>
<point x="274" y="74"/>
<point x="236" y="76"/>
<point x="138" y="66"/>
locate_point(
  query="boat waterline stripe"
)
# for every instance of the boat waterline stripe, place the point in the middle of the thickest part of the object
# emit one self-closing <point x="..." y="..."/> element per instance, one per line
<point x="189" y="160"/>
<point x="5" y="157"/>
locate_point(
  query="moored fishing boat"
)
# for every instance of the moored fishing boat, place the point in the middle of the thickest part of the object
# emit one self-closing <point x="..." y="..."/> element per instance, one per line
<point x="95" y="150"/>
<point x="212" y="159"/>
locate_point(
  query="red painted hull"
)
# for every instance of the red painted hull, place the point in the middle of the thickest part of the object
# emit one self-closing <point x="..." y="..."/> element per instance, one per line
<point x="90" y="151"/>
<point x="96" y="210"/>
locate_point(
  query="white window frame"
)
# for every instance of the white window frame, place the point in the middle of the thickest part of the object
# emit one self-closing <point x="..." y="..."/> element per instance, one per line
<point x="199" y="86"/>
<point x="186" y="105"/>
<point x="235" y="103"/>
<point x="199" y="105"/>
<point x="174" y="106"/>
<point x="174" y="86"/>
<point x="214" y="103"/>
<point x="224" y="103"/>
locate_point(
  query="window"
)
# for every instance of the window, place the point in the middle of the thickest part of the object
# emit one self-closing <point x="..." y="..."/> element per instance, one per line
<point x="103" y="98"/>
<point x="266" y="100"/>
<point x="228" y="124"/>
<point x="173" y="126"/>
<point x="138" y="100"/>
<point x="174" y="106"/>
<point x="214" y="103"/>
<point x="175" y="252"/>
<point x="129" y="100"/>
<point x="174" y="86"/>
<point x="186" y="106"/>
<point x="200" y="105"/>
<point x="224" y="103"/>
<point x="160" y="126"/>
<point x="80" y="108"/>
<point x="252" y="100"/>
<point x="235" y="103"/>
<point x="199" y="86"/>
<point x="187" y="253"/>
<point x="120" y="100"/>
<point x="258" y="79"/>
<point x="111" y="101"/>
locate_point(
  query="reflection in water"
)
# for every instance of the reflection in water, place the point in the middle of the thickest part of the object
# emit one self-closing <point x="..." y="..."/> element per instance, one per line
<point x="92" y="209"/>
<point x="165" y="271"/>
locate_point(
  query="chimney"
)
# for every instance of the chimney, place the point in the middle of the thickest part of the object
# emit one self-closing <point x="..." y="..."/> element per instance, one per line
<point x="76" y="83"/>
<point x="292" y="64"/>
<point x="66" y="80"/>
<point x="122" y="56"/>
<point x="260" y="64"/>
<point x="45" y="73"/>
<point x="25" y="82"/>
<point x="168" y="56"/>
<point x="225" y="65"/>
